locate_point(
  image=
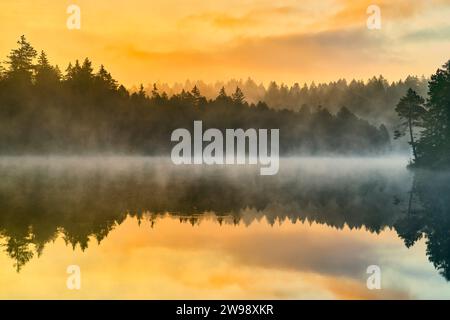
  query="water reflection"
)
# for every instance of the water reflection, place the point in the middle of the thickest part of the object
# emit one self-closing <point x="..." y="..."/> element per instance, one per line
<point x="428" y="215"/>
<point x="86" y="198"/>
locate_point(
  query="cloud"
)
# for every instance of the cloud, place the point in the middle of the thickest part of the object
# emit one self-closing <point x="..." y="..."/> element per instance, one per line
<point x="251" y="18"/>
<point x="261" y="48"/>
<point x="288" y="41"/>
<point x="352" y="13"/>
<point x="428" y="34"/>
<point x="352" y="290"/>
<point x="291" y="57"/>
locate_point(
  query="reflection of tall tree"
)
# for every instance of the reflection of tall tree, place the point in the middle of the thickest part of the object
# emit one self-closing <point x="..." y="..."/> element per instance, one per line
<point x="19" y="250"/>
<point x="410" y="227"/>
<point x="429" y="216"/>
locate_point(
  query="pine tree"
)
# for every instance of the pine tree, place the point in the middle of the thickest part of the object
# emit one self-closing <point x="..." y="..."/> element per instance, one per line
<point x="197" y="97"/>
<point x="222" y="94"/>
<point x="141" y="92"/>
<point x="238" y="97"/>
<point x="196" y="92"/>
<point x="73" y="72"/>
<point x="47" y="76"/>
<point x="105" y="80"/>
<point x="155" y="92"/>
<point x="434" y="143"/>
<point x="69" y="72"/>
<point x="410" y="109"/>
<point x="2" y="72"/>
<point x="86" y="71"/>
<point x="20" y="61"/>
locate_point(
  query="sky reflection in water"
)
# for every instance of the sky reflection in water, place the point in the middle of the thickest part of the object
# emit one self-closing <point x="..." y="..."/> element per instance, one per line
<point x="143" y="228"/>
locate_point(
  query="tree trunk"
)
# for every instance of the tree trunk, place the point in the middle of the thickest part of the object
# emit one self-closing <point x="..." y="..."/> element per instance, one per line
<point x="413" y="144"/>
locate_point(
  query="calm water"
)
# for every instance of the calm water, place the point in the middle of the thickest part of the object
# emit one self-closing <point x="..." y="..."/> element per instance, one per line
<point x="144" y="228"/>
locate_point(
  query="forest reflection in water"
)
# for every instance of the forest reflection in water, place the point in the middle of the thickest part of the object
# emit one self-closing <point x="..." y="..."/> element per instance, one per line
<point x="82" y="199"/>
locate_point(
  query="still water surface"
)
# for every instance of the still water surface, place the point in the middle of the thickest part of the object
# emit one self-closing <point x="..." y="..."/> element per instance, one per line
<point x="143" y="228"/>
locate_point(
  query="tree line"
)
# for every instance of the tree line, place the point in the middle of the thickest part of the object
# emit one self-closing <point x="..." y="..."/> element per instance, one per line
<point x="45" y="110"/>
<point x="374" y="99"/>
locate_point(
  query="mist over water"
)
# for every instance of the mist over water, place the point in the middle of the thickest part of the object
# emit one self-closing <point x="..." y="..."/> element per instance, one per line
<point x="359" y="192"/>
<point x="86" y="200"/>
<point x="152" y="184"/>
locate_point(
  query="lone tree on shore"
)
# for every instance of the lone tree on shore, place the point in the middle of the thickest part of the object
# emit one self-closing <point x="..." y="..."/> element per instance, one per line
<point x="411" y="111"/>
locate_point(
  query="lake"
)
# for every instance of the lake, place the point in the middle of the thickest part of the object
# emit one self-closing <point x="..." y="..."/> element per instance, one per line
<point x="143" y="228"/>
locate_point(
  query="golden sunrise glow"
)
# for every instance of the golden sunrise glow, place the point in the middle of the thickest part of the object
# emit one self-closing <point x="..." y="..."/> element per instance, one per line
<point x="179" y="261"/>
<point x="287" y="41"/>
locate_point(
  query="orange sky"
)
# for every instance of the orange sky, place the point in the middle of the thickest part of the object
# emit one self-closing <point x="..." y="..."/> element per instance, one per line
<point x="287" y="40"/>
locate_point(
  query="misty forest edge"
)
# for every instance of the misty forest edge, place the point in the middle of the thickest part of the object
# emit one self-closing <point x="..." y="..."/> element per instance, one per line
<point x="43" y="111"/>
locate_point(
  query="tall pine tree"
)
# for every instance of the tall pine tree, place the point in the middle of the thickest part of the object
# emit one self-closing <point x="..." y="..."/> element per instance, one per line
<point x="433" y="148"/>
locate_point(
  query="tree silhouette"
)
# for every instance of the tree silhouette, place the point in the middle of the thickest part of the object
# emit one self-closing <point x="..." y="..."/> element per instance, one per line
<point x="222" y="95"/>
<point x="411" y="111"/>
<point x="19" y="250"/>
<point x="20" y="61"/>
<point x="84" y="110"/>
<point x="104" y="80"/>
<point x="429" y="217"/>
<point x="238" y="97"/>
<point x="47" y="77"/>
<point x="434" y="143"/>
